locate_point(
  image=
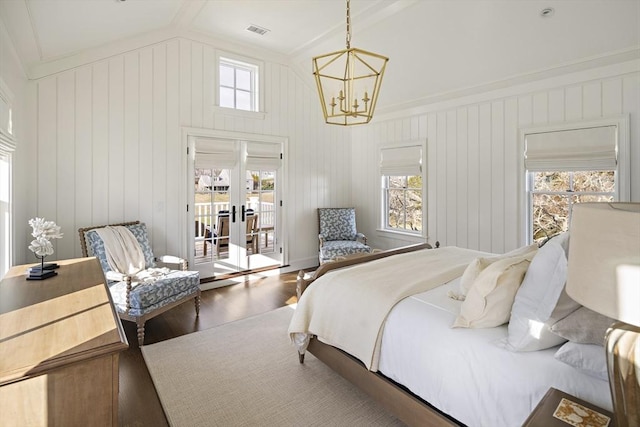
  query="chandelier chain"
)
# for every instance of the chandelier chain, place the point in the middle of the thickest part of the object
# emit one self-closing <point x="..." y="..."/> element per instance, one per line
<point x="348" y="25"/>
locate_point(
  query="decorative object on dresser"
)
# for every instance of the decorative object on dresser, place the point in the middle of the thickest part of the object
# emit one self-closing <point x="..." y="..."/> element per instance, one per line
<point x="59" y="348"/>
<point x="604" y="276"/>
<point x="141" y="285"/>
<point x="338" y="235"/>
<point x="43" y="231"/>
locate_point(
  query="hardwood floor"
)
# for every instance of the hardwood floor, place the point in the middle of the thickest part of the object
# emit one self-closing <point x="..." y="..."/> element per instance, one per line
<point x="138" y="402"/>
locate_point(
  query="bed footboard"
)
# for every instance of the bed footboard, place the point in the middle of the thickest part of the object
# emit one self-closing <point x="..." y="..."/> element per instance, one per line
<point x="305" y="279"/>
<point x="407" y="407"/>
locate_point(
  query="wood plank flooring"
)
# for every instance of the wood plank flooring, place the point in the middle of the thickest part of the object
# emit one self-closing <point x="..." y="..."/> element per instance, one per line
<point x="138" y="402"/>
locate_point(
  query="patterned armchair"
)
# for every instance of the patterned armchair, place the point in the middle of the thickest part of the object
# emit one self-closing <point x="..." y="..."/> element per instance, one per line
<point x="338" y="234"/>
<point x="139" y="301"/>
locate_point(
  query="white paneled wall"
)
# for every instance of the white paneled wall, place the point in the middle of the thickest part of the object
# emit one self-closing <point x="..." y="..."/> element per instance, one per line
<point x="108" y="147"/>
<point x="474" y="152"/>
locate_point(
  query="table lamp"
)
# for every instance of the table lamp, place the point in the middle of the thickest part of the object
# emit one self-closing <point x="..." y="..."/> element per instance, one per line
<point x="604" y="276"/>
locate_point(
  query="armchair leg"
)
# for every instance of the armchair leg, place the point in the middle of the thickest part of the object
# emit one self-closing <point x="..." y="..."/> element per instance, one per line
<point x="140" y="333"/>
<point x="197" y="301"/>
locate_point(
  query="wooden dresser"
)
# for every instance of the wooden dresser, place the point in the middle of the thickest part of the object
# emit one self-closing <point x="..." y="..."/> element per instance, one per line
<point x="59" y="344"/>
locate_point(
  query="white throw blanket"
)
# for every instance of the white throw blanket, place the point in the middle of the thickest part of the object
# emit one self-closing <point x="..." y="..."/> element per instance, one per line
<point x="122" y="249"/>
<point x="125" y="256"/>
<point x="347" y="308"/>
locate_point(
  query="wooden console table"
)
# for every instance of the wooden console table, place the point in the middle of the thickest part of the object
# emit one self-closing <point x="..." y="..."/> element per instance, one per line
<point x="59" y="344"/>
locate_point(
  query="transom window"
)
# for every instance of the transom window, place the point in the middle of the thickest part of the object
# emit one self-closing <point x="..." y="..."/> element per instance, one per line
<point x="238" y="87"/>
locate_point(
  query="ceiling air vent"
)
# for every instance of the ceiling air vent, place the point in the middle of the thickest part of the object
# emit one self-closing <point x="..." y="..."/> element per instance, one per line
<point x="257" y="30"/>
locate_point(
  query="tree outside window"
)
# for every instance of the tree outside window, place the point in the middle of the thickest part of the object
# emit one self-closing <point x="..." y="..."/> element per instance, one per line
<point x="553" y="195"/>
<point x="402" y="197"/>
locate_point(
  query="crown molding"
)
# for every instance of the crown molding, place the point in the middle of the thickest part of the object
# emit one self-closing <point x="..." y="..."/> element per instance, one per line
<point x="591" y="68"/>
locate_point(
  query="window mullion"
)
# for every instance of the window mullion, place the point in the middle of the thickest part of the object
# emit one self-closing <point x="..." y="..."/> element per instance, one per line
<point x="235" y="87"/>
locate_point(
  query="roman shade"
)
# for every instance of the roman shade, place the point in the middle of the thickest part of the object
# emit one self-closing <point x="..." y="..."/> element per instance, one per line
<point x="215" y="153"/>
<point x="399" y="161"/>
<point x="593" y="148"/>
<point x="263" y="156"/>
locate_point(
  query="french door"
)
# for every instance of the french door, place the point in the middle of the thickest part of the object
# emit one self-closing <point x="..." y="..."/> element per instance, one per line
<point x="236" y="206"/>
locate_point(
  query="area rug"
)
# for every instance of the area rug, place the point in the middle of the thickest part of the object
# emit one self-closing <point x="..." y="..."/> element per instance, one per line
<point x="246" y="373"/>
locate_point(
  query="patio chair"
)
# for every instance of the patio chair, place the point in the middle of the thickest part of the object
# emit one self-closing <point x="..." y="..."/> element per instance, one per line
<point x="137" y="299"/>
<point x="338" y="234"/>
<point x="203" y="230"/>
<point x="222" y="232"/>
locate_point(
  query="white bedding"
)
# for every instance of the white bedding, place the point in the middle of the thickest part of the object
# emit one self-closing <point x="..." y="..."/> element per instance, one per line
<point x="464" y="373"/>
<point x="363" y="295"/>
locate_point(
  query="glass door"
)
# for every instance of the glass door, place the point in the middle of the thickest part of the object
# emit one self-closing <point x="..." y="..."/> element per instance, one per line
<point x="235" y="207"/>
<point x="262" y="220"/>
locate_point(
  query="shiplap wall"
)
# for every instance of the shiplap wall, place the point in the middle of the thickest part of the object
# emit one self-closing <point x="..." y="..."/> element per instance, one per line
<point x="108" y="148"/>
<point x="474" y="177"/>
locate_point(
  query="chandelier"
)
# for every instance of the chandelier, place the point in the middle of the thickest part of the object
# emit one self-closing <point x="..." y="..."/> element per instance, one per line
<point x="349" y="82"/>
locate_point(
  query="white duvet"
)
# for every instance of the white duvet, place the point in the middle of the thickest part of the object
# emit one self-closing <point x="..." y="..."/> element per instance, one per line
<point x="346" y="308"/>
<point x="464" y="373"/>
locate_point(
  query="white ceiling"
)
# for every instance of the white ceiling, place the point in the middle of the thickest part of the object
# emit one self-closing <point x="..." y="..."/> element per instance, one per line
<point x="436" y="47"/>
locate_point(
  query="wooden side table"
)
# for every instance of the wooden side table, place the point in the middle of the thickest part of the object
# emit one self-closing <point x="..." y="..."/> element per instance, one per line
<point x="567" y="407"/>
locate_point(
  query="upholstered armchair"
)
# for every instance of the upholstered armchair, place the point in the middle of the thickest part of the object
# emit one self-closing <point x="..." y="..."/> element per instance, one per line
<point x="163" y="283"/>
<point x="338" y="234"/>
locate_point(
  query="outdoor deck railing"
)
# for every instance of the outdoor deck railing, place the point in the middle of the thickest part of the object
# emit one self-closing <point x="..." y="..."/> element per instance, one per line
<point x="206" y="212"/>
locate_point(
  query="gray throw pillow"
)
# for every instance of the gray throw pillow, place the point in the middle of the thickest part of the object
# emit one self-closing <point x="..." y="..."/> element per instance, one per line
<point x="583" y="326"/>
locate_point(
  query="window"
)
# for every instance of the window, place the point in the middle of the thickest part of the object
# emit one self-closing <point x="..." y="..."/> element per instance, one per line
<point x="402" y="197"/>
<point x="238" y="85"/>
<point x="566" y="166"/>
<point x="553" y="194"/>
<point x="402" y="189"/>
<point x="7" y="147"/>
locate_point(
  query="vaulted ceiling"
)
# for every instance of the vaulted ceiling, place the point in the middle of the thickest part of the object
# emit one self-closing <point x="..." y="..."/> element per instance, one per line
<point x="437" y="48"/>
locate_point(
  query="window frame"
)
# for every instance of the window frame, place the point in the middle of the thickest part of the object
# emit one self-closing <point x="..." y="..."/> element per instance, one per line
<point x="622" y="172"/>
<point x="8" y="144"/>
<point x="381" y="202"/>
<point x="256" y="68"/>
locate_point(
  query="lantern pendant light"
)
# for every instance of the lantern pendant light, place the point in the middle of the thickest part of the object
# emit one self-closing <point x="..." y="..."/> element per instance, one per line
<point x="349" y="82"/>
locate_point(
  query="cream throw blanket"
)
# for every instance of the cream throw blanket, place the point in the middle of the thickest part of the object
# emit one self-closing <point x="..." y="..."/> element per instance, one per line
<point x="122" y="249"/>
<point x="347" y="308"/>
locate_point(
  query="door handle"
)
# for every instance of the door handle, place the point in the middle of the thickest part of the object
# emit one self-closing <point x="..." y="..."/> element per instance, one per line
<point x="243" y="213"/>
<point x="233" y="213"/>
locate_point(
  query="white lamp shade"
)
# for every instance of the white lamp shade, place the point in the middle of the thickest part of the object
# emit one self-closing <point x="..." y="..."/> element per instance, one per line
<point x="604" y="259"/>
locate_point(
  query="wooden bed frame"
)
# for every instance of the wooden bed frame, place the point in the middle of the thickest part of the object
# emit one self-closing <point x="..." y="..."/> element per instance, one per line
<point x="406" y="406"/>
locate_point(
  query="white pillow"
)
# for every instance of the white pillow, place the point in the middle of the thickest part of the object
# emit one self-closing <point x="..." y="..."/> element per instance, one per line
<point x="488" y="303"/>
<point x="476" y="266"/>
<point x="540" y="301"/>
<point x="587" y="358"/>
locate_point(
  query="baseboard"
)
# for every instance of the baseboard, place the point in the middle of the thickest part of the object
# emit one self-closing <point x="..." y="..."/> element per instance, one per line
<point x="213" y="283"/>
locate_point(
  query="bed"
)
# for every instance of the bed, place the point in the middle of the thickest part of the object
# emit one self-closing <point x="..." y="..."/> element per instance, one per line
<point x="429" y="373"/>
